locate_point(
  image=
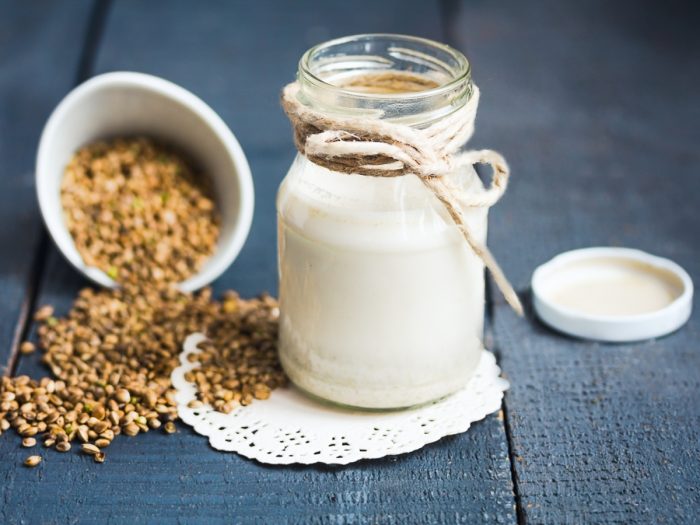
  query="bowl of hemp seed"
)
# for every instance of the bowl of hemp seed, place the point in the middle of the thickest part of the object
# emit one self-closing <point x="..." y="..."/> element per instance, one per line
<point x="139" y="180"/>
<point x="145" y="191"/>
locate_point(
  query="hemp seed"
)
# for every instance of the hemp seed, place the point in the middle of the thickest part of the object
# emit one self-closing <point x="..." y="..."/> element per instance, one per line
<point x="43" y="313"/>
<point x="32" y="461"/>
<point x="131" y="429"/>
<point x="133" y="206"/>
<point x="122" y="395"/>
<point x="102" y="442"/>
<point x="90" y="449"/>
<point x="63" y="446"/>
<point x="27" y="347"/>
<point x="141" y="214"/>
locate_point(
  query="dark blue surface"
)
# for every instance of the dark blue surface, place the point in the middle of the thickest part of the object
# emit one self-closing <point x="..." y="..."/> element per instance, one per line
<point x="40" y="48"/>
<point x="599" y="118"/>
<point x="593" y="104"/>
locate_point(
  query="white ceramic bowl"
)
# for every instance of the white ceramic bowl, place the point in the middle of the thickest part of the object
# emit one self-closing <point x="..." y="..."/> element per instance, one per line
<point x="127" y="103"/>
<point x="589" y="265"/>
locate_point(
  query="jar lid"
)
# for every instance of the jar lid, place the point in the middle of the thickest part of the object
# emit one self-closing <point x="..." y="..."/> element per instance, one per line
<point x="612" y="294"/>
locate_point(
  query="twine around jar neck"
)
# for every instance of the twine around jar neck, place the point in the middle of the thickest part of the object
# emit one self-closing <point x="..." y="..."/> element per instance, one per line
<point x="378" y="148"/>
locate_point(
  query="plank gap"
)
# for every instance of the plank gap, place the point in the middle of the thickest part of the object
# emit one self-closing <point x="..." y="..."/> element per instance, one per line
<point x="29" y="303"/>
<point x="493" y="344"/>
<point x="519" y="511"/>
<point x="496" y="349"/>
<point x="449" y="11"/>
<point x="93" y="34"/>
<point x="93" y="37"/>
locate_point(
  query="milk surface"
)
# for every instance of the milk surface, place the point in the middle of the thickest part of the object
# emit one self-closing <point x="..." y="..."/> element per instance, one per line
<point x="381" y="299"/>
<point x="609" y="286"/>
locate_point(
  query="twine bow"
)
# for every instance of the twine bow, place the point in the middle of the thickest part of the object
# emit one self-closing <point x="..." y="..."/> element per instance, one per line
<point x="378" y="148"/>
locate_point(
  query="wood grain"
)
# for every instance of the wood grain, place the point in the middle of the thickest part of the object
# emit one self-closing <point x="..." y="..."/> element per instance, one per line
<point x="40" y="49"/>
<point x="594" y="105"/>
<point x="602" y="433"/>
<point x="237" y="56"/>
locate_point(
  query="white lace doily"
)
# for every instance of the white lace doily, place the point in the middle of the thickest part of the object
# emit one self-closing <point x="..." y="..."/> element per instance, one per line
<point x="290" y="427"/>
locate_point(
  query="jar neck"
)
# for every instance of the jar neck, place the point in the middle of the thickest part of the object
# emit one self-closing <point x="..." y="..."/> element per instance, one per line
<point x="402" y="79"/>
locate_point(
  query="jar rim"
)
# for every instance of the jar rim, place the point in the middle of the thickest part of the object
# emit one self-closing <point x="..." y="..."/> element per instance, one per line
<point x="461" y="74"/>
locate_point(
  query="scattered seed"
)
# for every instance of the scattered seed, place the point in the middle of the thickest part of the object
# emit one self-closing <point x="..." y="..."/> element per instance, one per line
<point x="90" y="449"/>
<point x="99" y="457"/>
<point x="142" y="215"/>
<point x="43" y="313"/>
<point x="114" y="417"/>
<point x="28" y="431"/>
<point x="28" y="442"/>
<point x="102" y="442"/>
<point x="32" y="461"/>
<point x="83" y="433"/>
<point x="131" y="429"/>
<point x="27" y="347"/>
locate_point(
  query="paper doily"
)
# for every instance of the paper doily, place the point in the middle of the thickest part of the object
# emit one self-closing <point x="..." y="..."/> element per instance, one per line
<point x="290" y="427"/>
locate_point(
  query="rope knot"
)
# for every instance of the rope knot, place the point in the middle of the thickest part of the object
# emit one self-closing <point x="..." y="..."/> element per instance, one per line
<point x="378" y="148"/>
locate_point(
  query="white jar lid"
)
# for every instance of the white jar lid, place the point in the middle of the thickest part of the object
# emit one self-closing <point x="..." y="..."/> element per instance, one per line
<point x="612" y="294"/>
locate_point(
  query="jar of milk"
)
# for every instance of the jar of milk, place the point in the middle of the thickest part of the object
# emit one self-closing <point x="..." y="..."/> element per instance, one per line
<point x="381" y="298"/>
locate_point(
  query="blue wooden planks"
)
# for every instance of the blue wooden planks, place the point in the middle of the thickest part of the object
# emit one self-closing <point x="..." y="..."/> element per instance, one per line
<point x="595" y="107"/>
<point x="603" y="433"/>
<point x="237" y="56"/>
<point x="40" y="48"/>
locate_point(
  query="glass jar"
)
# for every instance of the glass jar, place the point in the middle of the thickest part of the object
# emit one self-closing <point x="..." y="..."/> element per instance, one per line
<point x="381" y="299"/>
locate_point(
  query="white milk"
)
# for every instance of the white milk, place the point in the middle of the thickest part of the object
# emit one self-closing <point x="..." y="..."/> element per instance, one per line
<point x="381" y="299"/>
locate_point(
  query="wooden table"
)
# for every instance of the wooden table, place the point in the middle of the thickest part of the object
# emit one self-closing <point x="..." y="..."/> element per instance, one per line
<point x="595" y="105"/>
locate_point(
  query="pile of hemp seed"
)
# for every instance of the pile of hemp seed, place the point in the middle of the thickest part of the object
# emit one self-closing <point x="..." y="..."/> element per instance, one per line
<point x="138" y="211"/>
